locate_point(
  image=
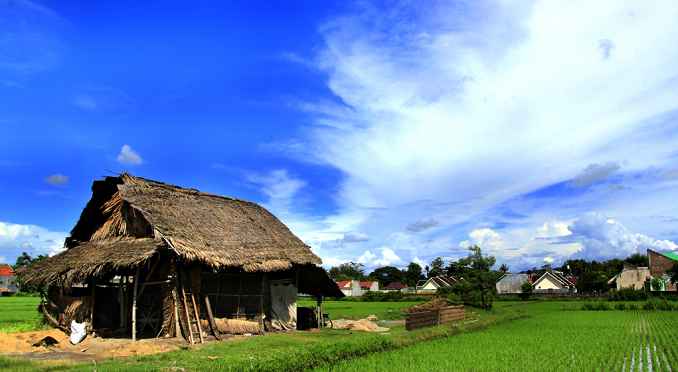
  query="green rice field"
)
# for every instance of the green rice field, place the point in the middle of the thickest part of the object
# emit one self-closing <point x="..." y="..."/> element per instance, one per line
<point x="514" y="336"/>
<point x="19" y="314"/>
<point x="555" y="335"/>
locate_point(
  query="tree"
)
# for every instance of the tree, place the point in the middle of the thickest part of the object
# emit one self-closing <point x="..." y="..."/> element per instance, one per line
<point x="413" y="274"/>
<point x="478" y="285"/>
<point x="637" y="259"/>
<point x="386" y="275"/>
<point x="503" y="268"/>
<point x="526" y="290"/>
<point x="22" y="262"/>
<point x="673" y="273"/>
<point x="437" y="267"/>
<point x="348" y="271"/>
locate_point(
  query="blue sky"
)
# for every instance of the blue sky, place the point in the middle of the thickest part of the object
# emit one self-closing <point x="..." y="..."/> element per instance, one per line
<point x="379" y="132"/>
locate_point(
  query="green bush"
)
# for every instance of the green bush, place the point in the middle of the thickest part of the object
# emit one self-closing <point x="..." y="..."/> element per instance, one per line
<point x="649" y="305"/>
<point x="596" y="306"/>
<point x="627" y="294"/>
<point x="620" y="306"/>
<point x="632" y="307"/>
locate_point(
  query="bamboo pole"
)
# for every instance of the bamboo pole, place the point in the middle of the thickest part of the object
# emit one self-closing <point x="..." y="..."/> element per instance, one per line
<point x="197" y="317"/>
<point x="121" y="296"/>
<point x="188" y="317"/>
<point x="94" y="288"/>
<point x="134" y="306"/>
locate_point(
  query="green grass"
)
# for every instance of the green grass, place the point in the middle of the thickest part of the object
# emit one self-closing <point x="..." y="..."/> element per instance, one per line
<point x="19" y="314"/>
<point x="553" y="337"/>
<point x="359" y="310"/>
<point x="287" y="352"/>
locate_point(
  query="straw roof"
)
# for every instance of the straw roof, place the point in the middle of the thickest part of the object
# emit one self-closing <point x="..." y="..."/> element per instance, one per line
<point x="129" y="218"/>
<point x="92" y="259"/>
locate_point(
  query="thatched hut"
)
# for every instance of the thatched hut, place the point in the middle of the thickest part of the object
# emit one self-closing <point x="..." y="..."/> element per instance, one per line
<point x="148" y="259"/>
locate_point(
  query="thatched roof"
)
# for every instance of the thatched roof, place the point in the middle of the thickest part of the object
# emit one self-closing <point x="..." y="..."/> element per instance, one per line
<point x="92" y="259"/>
<point x="128" y="218"/>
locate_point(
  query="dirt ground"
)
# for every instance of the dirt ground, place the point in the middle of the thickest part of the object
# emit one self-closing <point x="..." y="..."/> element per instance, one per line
<point x="91" y="348"/>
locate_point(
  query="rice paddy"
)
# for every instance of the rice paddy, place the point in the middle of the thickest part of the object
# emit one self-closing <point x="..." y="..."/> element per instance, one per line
<point x="19" y="314"/>
<point x="553" y="337"/>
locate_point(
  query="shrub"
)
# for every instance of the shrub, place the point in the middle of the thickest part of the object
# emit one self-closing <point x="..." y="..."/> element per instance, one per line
<point x="649" y="305"/>
<point x="620" y="306"/>
<point x="588" y="306"/>
<point x="627" y="294"/>
<point x="526" y="291"/>
<point x="382" y="296"/>
<point x="632" y="307"/>
<point x="602" y="306"/>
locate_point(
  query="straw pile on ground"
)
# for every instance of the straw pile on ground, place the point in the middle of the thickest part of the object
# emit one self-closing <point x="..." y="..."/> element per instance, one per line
<point x="434" y="304"/>
<point x="233" y="326"/>
<point x="358" y="325"/>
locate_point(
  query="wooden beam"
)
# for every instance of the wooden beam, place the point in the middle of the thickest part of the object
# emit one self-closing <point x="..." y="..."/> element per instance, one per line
<point x="134" y="305"/>
<point x="210" y="318"/>
<point x="51" y="319"/>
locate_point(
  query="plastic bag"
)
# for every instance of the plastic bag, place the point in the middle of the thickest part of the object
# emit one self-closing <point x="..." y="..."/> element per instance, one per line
<point x="78" y="332"/>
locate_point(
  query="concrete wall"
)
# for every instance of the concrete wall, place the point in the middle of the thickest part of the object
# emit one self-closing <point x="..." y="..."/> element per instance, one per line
<point x="633" y="278"/>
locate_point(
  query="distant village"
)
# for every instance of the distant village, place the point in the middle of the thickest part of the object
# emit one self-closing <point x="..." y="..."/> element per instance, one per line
<point x="651" y="272"/>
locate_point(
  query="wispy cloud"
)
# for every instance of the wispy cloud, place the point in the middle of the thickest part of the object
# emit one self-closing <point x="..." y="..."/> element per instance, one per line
<point x="489" y="102"/>
<point x="30" y="41"/>
<point x="595" y="173"/>
<point x="57" y="179"/>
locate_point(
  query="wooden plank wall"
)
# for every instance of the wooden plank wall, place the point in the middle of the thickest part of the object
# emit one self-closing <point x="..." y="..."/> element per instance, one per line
<point x="434" y="317"/>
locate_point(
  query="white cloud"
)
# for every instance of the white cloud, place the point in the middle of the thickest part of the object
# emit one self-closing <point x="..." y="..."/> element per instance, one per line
<point x="386" y="257"/>
<point x="604" y="237"/>
<point x="486" y="103"/>
<point x="35" y="240"/>
<point x="128" y="156"/>
<point x="57" y="179"/>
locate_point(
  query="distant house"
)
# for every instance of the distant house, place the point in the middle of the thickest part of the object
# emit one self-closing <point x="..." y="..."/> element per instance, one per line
<point x="660" y="263"/>
<point x="434" y="283"/>
<point x="630" y="277"/>
<point x="554" y="282"/>
<point x="356" y="288"/>
<point x="512" y="283"/>
<point x="7" y="280"/>
<point x="395" y="286"/>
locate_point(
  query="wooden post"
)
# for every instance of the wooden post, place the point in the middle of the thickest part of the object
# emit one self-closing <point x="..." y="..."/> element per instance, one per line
<point x="121" y="296"/>
<point x="237" y="310"/>
<point x="261" y="303"/>
<point x="94" y="288"/>
<point x="134" y="306"/>
<point x="210" y="318"/>
<point x="177" y="327"/>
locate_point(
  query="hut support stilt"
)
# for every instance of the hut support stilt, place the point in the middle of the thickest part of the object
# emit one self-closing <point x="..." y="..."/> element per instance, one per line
<point x="134" y="305"/>
<point x="94" y="292"/>
<point x="210" y="318"/>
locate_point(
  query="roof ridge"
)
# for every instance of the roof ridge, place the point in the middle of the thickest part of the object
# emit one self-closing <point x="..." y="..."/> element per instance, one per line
<point x="188" y="190"/>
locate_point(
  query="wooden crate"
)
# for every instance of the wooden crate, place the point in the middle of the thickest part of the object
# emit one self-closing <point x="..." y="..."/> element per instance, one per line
<point x="431" y="318"/>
